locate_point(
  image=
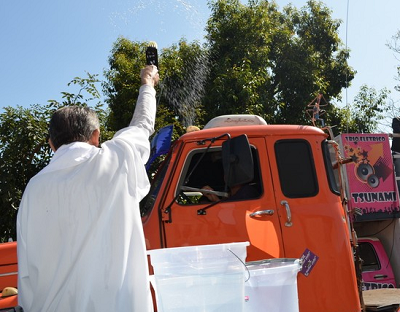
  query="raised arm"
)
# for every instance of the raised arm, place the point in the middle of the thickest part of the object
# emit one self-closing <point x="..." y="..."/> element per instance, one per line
<point x="145" y="110"/>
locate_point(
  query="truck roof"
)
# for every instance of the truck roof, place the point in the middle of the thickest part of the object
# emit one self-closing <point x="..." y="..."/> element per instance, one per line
<point x="256" y="130"/>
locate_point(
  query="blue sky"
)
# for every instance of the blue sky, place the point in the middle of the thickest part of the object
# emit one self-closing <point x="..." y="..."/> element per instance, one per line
<point x="45" y="44"/>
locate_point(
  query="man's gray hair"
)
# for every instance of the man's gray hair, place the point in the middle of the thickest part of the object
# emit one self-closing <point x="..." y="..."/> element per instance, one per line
<point x="72" y="124"/>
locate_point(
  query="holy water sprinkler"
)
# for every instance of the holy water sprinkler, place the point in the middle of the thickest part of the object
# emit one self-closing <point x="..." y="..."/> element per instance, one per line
<point x="152" y="54"/>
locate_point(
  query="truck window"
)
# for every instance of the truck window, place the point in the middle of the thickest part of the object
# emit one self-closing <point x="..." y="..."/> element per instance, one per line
<point x="369" y="257"/>
<point x="204" y="168"/>
<point x="329" y="158"/>
<point x="296" y="168"/>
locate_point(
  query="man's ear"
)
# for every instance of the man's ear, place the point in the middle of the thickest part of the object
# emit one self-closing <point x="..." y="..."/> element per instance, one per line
<point x="52" y="146"/>
<point x="95" y="139"/>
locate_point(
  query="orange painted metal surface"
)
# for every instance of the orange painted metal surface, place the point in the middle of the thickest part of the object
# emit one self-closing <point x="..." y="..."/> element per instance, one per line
<point x="8" y="273"/>
<point x="8" y="302"/>
<point x="318" y="222"/>
<point x="8" y="265"/>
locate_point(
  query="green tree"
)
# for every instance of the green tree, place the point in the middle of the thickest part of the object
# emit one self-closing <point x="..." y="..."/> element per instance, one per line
<point x="23" y="152"/>
<point x="312" y="61"/>
<point x="186" y="69"/>
<point x="24" y="149"/>
<point x="369" y="108"/>
<point x="122" y="84"/>
<point x="183" y="70"/>
<point x="363" y="115"/>
<point x="240" y="39"/>
<point x="271" y="63"/>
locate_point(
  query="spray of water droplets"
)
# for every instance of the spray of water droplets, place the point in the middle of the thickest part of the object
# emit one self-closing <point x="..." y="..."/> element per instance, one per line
<point x="132" y="11"/>
<point x="185" y="94"/>
<point x="172" y="17"/>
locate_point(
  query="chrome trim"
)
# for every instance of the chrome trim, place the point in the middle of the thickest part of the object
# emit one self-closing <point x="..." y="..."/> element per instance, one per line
<point x="8" y="274"/>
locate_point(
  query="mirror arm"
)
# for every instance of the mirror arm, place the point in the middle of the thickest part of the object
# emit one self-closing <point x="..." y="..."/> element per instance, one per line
<point x="212" y="140"/>
<point x="203" y="211"/>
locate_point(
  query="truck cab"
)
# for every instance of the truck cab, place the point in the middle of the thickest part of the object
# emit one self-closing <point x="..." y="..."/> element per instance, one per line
<point x="294" y="209"/>
<point x="377" y="271"/>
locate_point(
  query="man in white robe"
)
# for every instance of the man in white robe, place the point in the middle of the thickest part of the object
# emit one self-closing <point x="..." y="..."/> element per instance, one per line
<point x="80" y="237"/>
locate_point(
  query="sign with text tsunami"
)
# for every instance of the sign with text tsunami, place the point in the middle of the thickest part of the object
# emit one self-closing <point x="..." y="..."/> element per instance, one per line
<point x="370" y="178"/>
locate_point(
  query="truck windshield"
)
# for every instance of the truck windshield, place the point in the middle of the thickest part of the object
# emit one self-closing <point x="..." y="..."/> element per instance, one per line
<point x="369" y="257"/>
<point x="147" y="203"/>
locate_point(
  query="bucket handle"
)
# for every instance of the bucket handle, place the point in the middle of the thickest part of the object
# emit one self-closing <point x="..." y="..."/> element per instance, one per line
<point x="247" y="269"/>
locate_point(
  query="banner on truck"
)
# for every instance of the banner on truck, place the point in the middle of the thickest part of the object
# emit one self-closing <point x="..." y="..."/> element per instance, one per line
<point x="370" y="177"/>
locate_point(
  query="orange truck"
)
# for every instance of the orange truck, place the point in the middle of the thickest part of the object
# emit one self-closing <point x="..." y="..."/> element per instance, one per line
<point x="275" y="186"/>
<point x="294" y="212"/>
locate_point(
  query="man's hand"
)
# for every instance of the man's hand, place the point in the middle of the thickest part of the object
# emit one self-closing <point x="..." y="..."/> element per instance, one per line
<point x="149" y="75"/>
<point x="210" y="197"/>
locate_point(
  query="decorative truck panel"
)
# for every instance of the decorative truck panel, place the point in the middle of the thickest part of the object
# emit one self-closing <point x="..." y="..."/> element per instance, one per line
<point x="370" y="178"/>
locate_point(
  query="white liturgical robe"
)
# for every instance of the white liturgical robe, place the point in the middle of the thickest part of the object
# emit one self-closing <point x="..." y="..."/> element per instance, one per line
<point x="80" y="237"/>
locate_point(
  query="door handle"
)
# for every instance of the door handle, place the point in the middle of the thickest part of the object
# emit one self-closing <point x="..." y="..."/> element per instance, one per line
<point x="380" y="276"/>
<point x="288" y="213"/>
<point x="268" y="212"/>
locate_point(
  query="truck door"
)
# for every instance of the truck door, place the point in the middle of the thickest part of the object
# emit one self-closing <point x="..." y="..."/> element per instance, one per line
<point x="377" y="271"/>
<point x="297" y="209"/>
<point x="192" y="219"/>
<point x="313" y="222"/>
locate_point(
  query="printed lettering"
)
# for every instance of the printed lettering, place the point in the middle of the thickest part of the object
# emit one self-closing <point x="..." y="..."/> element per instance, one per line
<point x="374" y="197"/>
<point x="369" y="286"/>
<point x="365" y="139"/>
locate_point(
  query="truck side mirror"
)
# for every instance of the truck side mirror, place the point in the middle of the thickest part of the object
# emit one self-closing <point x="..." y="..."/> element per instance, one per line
<point x="237" y="161"/>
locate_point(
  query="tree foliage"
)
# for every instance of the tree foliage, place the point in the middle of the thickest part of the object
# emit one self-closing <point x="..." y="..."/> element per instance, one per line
<point x="273" y="63"/>
<point x="183" y="80"/>
<point x="182" y="70"/>
<point x="24" y="149"/>
<point x="239" y="39"/>
<point x="369" y="107"/>
<point x="121" y="87"/>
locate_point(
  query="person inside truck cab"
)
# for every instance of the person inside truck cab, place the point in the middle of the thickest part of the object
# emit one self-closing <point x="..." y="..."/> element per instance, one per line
<point x="81" y="244"/>
<point x="237" y="192"/>
<point x="209" y="175"/>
